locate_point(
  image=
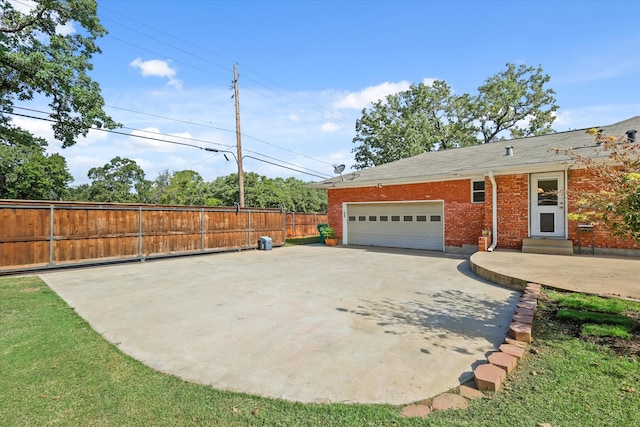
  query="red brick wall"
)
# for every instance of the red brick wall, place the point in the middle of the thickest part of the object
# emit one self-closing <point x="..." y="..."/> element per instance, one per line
<point x="513" y="209"/>
<point x="580" y="181"/>
<point x="463" y="220"/>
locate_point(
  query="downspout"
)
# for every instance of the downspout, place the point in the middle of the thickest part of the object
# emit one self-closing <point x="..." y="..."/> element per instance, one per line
<point x="494" y="209"/>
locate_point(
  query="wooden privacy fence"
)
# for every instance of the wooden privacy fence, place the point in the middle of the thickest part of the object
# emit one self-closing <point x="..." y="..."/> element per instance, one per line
<point x="304" y="224"/>
<point x="51" y="234"/>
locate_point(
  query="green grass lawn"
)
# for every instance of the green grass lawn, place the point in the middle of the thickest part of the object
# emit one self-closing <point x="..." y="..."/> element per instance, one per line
<point x="595" y="317"/>
<point x="599" y="316"/>
<point x="593" y="303"/>
<point x="55" y="370"/>
<point x="600" y="330"/>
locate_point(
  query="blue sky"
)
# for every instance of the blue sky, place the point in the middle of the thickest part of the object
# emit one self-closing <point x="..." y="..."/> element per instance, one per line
<point x="307" y="68"/>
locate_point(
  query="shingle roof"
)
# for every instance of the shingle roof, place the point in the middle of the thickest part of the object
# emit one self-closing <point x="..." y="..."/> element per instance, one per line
<point x="529" y="154"/>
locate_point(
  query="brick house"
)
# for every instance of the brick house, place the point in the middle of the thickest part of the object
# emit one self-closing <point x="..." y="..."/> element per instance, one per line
<point x="518" y="192"/>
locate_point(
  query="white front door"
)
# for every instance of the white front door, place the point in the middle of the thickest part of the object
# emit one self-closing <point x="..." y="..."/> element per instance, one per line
<point x="547" y="204"/>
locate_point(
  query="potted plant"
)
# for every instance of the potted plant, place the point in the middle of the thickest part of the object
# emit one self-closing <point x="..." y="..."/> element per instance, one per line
<point x="328" y="235"/>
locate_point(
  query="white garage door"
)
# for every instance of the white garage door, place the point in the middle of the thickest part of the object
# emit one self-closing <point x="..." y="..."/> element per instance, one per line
<point x="399" y="225"/>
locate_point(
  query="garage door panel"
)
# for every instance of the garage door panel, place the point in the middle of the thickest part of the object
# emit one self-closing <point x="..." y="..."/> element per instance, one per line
<point x="404" y="225"/>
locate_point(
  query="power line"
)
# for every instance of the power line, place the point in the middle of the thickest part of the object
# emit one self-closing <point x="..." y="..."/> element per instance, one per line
<point x="187" y="138"/>
<point x="143" y="24"/>
<point x="244" y="135"/>
<point x="161" y="140"/>
<point x="171" y="119"/>
<point x="204" y="71"/>
<point x="294" y="96"/>
<point x="177" y="61"/>
<point x="161" y="54"/>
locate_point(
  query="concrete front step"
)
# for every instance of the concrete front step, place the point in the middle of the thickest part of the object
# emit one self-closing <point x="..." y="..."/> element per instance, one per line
<point x="547" y="246"/>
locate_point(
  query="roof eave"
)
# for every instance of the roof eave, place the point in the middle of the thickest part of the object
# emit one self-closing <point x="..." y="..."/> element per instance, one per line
<point x="453" y="176"/>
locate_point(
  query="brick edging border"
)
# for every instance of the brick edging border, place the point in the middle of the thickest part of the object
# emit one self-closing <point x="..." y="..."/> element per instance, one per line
<point x="490" y="376"/>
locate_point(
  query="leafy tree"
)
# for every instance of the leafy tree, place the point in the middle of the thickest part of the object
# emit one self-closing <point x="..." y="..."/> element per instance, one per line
<point x="225" y="189"/>
<point x="26" y="172"/>
<point x="290" y="194"/>
<point x="422" y="118"/>
<point x="302" y="198"/>
<point x="80" y="193"/>
<point x="262" y="192"/>
<point x="614" y="200"/>
<point x="159" y="187"/>
<point x="185" y="188"/>
<point x="515" y="100"/>
<point x="425" y="118"/>
<point x="121" y="180"/>
<point x="37" y="57"/>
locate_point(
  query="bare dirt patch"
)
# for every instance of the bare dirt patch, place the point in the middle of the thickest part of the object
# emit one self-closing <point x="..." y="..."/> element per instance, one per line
<point x="621" y="346"/>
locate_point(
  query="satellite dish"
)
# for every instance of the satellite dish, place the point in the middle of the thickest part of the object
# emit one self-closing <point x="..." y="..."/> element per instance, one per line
<point x="338" y="169"/>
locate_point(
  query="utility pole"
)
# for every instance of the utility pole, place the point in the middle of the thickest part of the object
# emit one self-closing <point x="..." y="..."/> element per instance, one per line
<point x="238" y="136"/>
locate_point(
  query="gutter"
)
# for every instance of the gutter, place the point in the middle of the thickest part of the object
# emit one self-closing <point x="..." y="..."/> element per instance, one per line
<point x="494" y="209"/>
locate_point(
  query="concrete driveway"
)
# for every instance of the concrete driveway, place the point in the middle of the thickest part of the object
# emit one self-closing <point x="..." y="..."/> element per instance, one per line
<point x="305" y="323"/>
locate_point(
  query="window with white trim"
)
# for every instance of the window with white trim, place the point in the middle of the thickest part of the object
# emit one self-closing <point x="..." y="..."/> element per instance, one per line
<point x="477" y="191"/>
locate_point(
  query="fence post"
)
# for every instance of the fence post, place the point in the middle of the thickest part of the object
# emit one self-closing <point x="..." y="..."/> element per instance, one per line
<point x="202" y="230"/>
<point x="140" y="234"/>
<point x="284" y="218"/>
<point x="51" y="214"/>
<point x="249" y="229"/>
<point x="294" y="231"/>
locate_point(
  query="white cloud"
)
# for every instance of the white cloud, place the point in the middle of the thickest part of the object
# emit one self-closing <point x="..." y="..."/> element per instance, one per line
<point x="563" y="118"/>
<point x="157" y="68"/>
<point x="428" y="81"/>
<point x="525" y="122"/>
<point x="43" y="129"/>
<point x="27" y="6"/>
<point x="92" y="137"/>
<point x="80" y="164"/>
<point x="66" y="29"/>
<point x="147" y="139"/>
<point x="594" y="115"/>
<point x="330" y="127"/>
<point x="294" y="117"/>
<point x="23" y="6"/>
<point x="38" y="128"/>
<point x="362" y="99"/>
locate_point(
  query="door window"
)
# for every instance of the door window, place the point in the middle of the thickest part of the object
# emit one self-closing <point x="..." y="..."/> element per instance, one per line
<point x="547" y="192"/>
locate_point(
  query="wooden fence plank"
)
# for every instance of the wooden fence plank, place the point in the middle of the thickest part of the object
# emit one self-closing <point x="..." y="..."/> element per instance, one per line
<point x="92" y="232"/>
